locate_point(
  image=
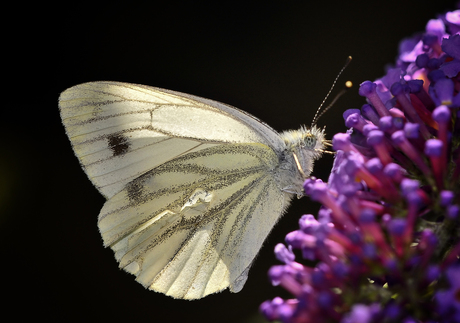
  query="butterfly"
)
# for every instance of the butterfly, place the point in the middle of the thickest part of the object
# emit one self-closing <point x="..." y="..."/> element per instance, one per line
<point x="193" y="186"/>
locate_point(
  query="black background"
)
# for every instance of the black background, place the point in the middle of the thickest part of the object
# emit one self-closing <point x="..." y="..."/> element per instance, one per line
<point x="275" y="60"/>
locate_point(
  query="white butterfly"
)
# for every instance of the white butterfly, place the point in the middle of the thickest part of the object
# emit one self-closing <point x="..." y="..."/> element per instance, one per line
<point x="193" y="186"/>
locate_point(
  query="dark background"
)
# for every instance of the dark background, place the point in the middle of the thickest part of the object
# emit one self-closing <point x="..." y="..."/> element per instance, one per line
<point x="275" y="60"/>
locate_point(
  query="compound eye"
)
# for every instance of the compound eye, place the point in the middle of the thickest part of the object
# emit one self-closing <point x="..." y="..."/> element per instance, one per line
<point x="310" y="141"/>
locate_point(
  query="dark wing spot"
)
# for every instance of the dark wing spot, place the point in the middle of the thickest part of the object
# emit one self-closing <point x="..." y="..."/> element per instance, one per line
<point x="135" y="190"/>
<point x="118" y="144"/>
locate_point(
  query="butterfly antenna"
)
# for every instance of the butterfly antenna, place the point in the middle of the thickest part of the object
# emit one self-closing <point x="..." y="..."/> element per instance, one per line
<point x="348" y="84"/>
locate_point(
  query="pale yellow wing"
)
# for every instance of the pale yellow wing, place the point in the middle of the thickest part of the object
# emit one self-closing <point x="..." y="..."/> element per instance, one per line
<point x="119" y="131"/>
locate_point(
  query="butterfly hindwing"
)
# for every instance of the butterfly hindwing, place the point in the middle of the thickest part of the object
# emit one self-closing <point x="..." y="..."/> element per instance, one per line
<point x="193" y="226"/>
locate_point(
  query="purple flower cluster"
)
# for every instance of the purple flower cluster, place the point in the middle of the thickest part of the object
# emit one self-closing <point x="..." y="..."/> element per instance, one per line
<point x="385" y="244"/>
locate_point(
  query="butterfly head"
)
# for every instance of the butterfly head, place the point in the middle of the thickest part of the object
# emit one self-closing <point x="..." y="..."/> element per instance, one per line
<point x="312" y="139"/>
<point x="305" y="146"/>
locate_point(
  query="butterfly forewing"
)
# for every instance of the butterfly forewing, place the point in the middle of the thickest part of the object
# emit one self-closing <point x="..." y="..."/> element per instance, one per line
<point x="118" y="130"/>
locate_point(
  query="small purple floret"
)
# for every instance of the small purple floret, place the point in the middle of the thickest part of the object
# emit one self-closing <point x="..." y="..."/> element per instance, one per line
<point x="415" y="86"/>
<point x="414" y="198"/>
<point x="317" y="191"/>
<point x="409" y="185"/>
<point x="398" y="137"/>
<point x="349" y="112"/>
<point x="436" y="75"/>
<point x="441" y="114"/>
<point x="284" y="254"/>
<point x="411" y="130"/>
<point x="375" y="137"/>
<point x="443" y="91"/>
<point x="367" y="216"/>
<point x="386" y="123"/>
<point x="341" y="141"/>
<point x="433" y="147"/>
<point x="422" y="60"/>
<point x="397" y="226"/>
<point x="366" y="88"/>
<point x="394" y="171"/>
<point x="453" y="211"/>
<point x="446" y="198"/>
<point x="451" y="46"/>
<point x="369" y="127"/>
<point x="398" y="88"/>
<point x="374" y="165"/>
